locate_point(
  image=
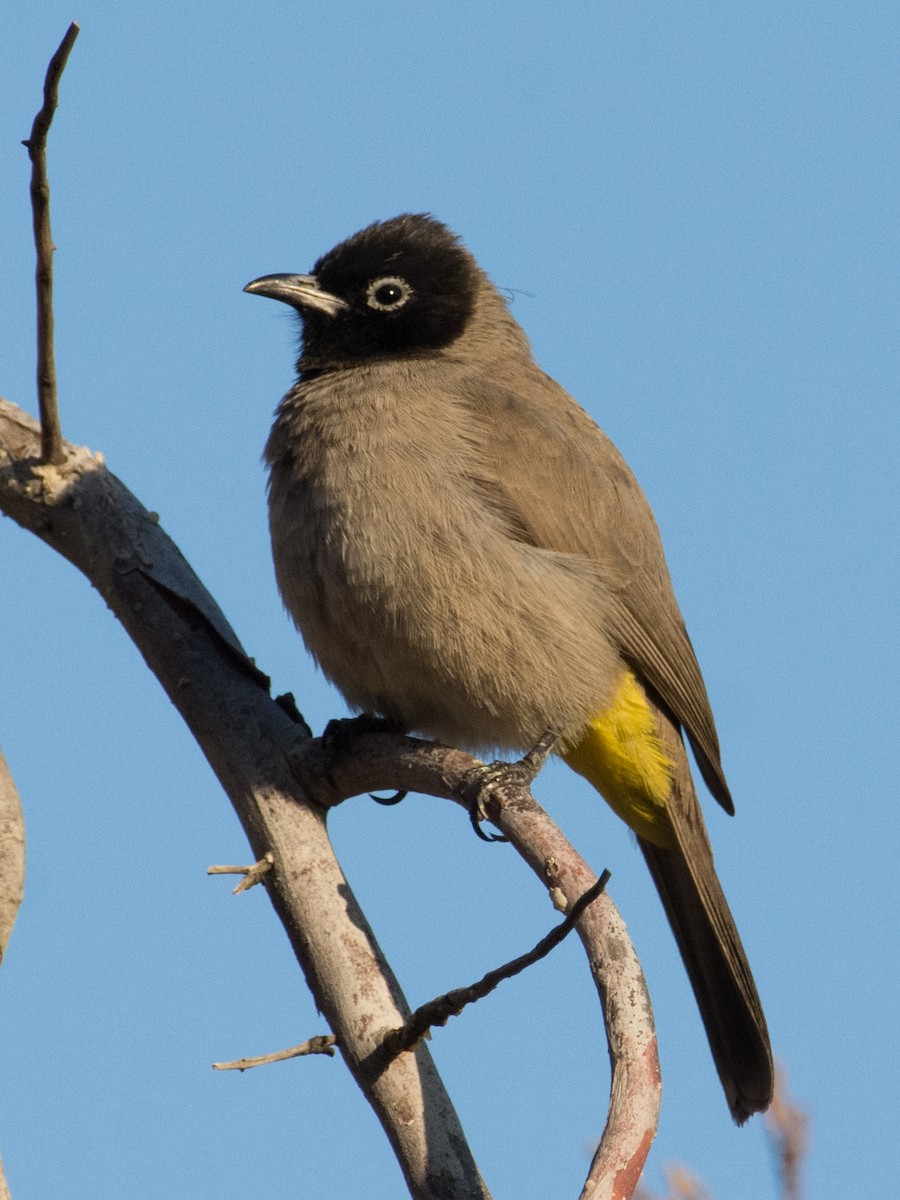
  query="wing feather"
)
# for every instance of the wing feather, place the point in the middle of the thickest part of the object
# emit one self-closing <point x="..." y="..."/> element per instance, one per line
<point x="560" y="483"/>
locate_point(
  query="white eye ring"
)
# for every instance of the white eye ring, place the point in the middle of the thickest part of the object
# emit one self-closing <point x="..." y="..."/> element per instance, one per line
<point x="388" y="293"/>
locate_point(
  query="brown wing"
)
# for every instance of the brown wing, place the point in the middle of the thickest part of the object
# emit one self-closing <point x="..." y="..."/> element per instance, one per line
<point x="562" y="485"/>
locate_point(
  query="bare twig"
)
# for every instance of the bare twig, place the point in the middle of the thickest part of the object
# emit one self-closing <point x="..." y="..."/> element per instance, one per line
<point x="252" y="875"/>
<point x="451" y="1004"/>
<point x="322" y="1044"/>
<point x="36" y="144"/>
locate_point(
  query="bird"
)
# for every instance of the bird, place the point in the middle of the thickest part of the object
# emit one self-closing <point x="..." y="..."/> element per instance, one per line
<point x="467" y="556"/>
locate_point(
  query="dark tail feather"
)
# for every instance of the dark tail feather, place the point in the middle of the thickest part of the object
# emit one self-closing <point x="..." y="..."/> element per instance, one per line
<point x="717" y="966"/>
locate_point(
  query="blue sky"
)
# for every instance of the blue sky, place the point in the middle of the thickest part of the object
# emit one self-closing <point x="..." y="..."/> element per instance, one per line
<point x="695" y="206"/>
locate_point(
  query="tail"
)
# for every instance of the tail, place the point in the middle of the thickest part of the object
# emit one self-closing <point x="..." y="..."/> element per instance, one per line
<point x="685" y="877"/>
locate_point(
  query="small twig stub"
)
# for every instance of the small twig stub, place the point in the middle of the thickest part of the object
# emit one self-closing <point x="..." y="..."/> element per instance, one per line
<point x="322" y="1043"/>
<point x="252" y="875"/>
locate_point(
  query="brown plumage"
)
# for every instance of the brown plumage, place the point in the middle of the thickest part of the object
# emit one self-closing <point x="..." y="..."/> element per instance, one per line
<point x="466" y="553"/>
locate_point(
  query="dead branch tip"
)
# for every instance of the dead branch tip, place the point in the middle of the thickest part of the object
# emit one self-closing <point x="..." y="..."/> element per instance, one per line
<point x="36" y="145"/>
<point x="322" y="1043"/>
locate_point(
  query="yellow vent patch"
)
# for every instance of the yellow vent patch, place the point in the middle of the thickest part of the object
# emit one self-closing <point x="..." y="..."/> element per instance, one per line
<point x="621" y="755"/>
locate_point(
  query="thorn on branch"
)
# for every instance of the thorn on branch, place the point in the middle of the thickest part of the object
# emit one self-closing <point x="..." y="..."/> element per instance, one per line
<point x="252" y="875"/>
<point x="321" y="1044"/>
<point x="442" y="1008"/>
<point x="36" y="145"/>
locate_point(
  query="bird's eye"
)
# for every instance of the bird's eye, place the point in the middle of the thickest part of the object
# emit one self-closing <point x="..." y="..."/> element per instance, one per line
<point x="388" y="294"/>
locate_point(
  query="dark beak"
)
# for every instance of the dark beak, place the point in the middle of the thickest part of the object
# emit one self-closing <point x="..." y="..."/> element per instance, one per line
<point x="300" y="291"/>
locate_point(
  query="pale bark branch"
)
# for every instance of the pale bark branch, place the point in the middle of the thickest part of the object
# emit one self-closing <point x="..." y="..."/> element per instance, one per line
<point x="12" y="855"/>
<point x="12" y="876"/>
<point x="86" y="514"/>
<point x="281" y="784"/>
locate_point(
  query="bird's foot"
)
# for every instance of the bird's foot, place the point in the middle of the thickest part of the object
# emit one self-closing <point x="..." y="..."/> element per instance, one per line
<point x="482" y="781"/>
<point x="343" y="730"/>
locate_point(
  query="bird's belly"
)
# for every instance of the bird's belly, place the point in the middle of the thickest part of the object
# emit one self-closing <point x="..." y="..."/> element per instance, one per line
<point x="477" y="643"/>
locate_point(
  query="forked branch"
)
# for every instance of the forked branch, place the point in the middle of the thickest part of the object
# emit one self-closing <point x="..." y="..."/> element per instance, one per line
<point x="276" y="778"/>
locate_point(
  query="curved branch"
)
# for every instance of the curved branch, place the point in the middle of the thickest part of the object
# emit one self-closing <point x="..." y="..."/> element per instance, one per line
<point x="282" y="782"/>
<point x="352" y="765"/>
<point x="85" y="513"/>
<point x="636" y="1085"/>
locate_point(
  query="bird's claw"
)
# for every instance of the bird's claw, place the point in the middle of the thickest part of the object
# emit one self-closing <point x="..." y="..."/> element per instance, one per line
<point x="483" y="780"/>
<point x="387" y="801"/>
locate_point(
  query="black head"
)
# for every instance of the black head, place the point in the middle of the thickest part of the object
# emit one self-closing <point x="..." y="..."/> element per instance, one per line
<point x="400" y="287"/>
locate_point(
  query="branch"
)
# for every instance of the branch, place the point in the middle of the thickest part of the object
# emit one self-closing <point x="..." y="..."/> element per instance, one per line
<point x="349" y="766"/>
<point x="12" y="875"/>
<point x="275" y="777"/>
<point x="281" y="784"/>
<point x="12" y="855"/>
<point x="437" y="1011"/>
<point x="87" y="515"/>
<point x="51" y="436"/>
